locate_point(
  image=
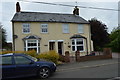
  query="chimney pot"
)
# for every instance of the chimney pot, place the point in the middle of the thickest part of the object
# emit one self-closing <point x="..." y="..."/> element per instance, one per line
<point x="17" y="7"/>
<point x="76" y="11"/>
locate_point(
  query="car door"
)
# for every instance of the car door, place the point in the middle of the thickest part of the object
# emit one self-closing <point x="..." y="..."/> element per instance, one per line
<point x="8" y="67"/>
<point x="25" y="66"/>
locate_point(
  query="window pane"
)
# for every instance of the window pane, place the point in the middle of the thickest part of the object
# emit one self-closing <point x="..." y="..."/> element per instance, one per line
<point x="80" y="48"/>
<point x="73" y="42"/>
<point x="32" y="44"/>
<point x="7" y="60"/>
<point x="73" y="48"/>
<point x="79" y="41"/>
<point x="80" y="28"/>
<point x="32" y="49"/>
<point x="44" y="28"/>
<point x="65" y="28"/>
<point x="26" y="28"/>
<point x="44" y="25"/>
<point x="21" y="60"/>
<point x="32" y="41"/>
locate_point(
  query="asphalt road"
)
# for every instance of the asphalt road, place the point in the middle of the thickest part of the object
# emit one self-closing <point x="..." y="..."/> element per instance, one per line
<point x="107" y="71"/>
<point x="89" y="69"/>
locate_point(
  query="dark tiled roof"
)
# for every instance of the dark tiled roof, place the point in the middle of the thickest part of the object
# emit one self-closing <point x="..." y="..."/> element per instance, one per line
<point x="47" y="17"/>
<point x="31" y="37"/>
<point x="77" y="36"/>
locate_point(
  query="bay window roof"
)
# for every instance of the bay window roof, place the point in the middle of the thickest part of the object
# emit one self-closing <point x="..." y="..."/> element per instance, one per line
<point x="77" y="36"/>
<point x="31" y="37"/>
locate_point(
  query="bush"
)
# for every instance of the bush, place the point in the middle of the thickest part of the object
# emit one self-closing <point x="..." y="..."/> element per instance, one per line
<point x="32" y="52"/>
<point x="61" y="58"/>
<point x="50" y="56"/>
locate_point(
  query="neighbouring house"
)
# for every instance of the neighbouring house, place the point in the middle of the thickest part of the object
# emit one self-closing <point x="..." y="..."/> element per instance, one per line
<point x="51" y="31"/>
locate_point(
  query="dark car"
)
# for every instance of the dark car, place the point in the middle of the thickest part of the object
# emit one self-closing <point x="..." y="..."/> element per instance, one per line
<point x="16" y="65"/>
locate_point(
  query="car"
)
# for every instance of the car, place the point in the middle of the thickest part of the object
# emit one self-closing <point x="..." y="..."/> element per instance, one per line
<point x="17" y="65"/>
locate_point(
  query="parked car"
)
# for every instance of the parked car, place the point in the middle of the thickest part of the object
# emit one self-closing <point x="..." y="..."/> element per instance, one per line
<point x="16" y="65"/>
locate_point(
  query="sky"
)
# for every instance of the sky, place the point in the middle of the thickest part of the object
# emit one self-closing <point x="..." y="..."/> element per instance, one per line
<point x="110" y="18"/>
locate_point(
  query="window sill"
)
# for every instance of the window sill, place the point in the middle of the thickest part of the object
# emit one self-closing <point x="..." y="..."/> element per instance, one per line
<point x="80" y="51"/>
<point x="80" y="33"/>
<point x="26" y="33"/>
<point x="44" y="32"/>
<point x="66" y="33"/>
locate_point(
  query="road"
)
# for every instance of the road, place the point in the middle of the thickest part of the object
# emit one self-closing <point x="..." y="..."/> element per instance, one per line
<point x="89" y="69"/>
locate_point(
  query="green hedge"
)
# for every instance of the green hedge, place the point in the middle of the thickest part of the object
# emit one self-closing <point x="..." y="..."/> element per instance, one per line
<point x="50" y="56"/>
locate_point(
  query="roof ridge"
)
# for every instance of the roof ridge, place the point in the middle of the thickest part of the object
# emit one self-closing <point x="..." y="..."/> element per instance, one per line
<point x="45" y="12"/>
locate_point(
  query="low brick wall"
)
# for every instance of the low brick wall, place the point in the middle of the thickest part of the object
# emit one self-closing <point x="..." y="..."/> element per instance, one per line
<point x="98" y="57"/>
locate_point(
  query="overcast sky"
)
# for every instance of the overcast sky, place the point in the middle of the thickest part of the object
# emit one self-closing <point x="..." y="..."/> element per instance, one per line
<point x="110" y="18"/>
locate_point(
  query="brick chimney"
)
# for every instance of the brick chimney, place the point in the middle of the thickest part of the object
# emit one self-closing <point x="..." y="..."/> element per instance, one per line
<point x="76" y="11"/>
<point x="17" y="7"/>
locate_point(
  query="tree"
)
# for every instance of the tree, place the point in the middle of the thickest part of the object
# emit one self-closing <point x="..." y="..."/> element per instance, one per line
<point x="99" y="34"/>
<point x="115" y="39"/>
<point x="2" y="36"/>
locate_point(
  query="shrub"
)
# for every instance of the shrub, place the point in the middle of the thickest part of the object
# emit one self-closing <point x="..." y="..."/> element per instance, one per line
<point x="61" y="58"/>
<point x="50" y="56"/>
<point x="32" y="52"/>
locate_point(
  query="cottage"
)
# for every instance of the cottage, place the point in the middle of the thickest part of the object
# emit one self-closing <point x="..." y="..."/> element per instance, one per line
<point x="51" y="31"/>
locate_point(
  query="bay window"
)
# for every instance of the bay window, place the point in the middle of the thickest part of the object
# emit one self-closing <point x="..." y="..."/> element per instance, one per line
<point x="32" y="44"/>
<point x="78" y="44"/>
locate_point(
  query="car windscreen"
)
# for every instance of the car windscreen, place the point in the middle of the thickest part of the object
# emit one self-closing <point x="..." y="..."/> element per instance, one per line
<point x="33" y="58"/>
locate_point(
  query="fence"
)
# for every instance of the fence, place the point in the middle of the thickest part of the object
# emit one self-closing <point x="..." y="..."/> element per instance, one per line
<point x="106" y="54"/>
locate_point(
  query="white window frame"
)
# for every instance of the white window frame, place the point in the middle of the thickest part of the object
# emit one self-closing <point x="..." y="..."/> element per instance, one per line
<point x="75" y="41"/>
<point x="26" y="26"/>
<point x="80" y="28"/>
<point x="43" y="27"/>
<point x="65" y="28"/>
<point x="37" y="46"/>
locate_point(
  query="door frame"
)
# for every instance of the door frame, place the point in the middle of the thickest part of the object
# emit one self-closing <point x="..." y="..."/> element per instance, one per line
<point x="61" y="41"/>
<point x="49" y="44"/>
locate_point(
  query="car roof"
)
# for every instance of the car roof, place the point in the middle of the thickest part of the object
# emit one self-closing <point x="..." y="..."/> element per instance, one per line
<point x="11" y="54"/>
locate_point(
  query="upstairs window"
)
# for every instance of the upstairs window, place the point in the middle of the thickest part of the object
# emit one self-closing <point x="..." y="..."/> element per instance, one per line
<point x="44" y="28"/>
<point x="26" y="28"/>
<point x="80" y="28"/>
<point x="65" y="28"/>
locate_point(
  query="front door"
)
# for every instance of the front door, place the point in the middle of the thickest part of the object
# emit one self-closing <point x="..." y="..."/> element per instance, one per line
<point x="51" y="45"/>
<point x="60" y="47"/>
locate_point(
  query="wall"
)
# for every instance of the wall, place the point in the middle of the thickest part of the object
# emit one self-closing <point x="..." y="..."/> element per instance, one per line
<point x="54" y="33"/>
